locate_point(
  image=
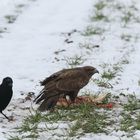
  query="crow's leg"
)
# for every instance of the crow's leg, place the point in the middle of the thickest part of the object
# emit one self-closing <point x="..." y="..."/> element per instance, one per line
<point x="4" y="115"/>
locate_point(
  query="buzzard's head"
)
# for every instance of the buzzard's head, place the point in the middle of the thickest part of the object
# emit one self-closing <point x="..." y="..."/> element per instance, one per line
<point x="7" y="82"/>
<point x="90" y="70"/>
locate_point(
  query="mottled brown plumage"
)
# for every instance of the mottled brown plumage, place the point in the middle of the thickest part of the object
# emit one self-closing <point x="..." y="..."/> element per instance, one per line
<point x="62" y="83"/>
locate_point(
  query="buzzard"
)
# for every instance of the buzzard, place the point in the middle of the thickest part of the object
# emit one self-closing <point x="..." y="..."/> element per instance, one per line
<point x="62" y="83"/>
<point x="6" y="93"/>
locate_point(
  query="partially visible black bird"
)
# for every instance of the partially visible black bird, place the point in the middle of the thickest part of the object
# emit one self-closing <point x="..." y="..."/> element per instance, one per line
<point x="6" y="93"/>
<point x="62" y="83"/>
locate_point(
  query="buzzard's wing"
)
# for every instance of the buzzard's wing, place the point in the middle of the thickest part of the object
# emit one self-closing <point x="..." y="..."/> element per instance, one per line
<point x="52" y="77"/>
<point x="72" y="80"/>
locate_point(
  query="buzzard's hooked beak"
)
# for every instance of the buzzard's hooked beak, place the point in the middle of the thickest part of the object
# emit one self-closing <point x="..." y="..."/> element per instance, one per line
<point x="96" y="71"/>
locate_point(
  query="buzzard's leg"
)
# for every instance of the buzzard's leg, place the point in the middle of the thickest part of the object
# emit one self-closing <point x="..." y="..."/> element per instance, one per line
<point x="72" y="96"/>
<point x="68" y="103"/>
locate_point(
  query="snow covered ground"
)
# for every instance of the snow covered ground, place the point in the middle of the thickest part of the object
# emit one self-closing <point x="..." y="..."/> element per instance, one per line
<point x="28" y="47"/>
<point x="34" y="43"/>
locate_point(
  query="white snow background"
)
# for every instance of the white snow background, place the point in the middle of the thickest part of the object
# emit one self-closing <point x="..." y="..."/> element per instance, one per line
<point x="28" y="46"/>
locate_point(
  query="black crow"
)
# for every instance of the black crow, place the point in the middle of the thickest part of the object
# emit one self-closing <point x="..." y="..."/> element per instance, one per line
<point x="6" y="93"/>
<point x="62" y="83"/>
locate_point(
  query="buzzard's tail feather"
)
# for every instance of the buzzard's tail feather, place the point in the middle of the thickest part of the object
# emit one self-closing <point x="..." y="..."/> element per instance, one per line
<point x="48" y="103"/>
<point x="37" y="99"/>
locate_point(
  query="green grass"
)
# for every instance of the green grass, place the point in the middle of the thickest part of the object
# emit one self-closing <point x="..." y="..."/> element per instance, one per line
<point x="34" y="118"/>
<point x="127" y="123"/>
<point x="132" y="104"/>
<point x="130" y="123"/>
<point x="98" y="13"/>
<point x="103" y="83"/>
<point x="100" y="5"/>
<point x="28" y="128"/>
<point x="137" y="124"/>
<point x="118" y="66"/>
<point x="92" y="123"/>
<point x="76" y="60"/>
<point x="109" y="74"/>
<point x="112" y="70"/>
<point x="130" y="116"/>
<point x="82" y="119"/>
<point x="118" y="6"/>
<point x="86" y="120"/>
<point x="124" y="61"/>
<point x="11" y="18"/>
<point x="129" y="16"/>
<point x="99" y="16"/>
<point x="14" y="138"/>
<point x="139" y="82"/>
<point x="3" y="30"/>
<point x="126" y="17"/>
<point x="74" y="128"/>
<point x="88" y="46"/>
<point x="89" y="31"/>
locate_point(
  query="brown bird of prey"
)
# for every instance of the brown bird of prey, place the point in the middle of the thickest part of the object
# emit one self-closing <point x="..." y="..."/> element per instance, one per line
<point x="62" y="83"/>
